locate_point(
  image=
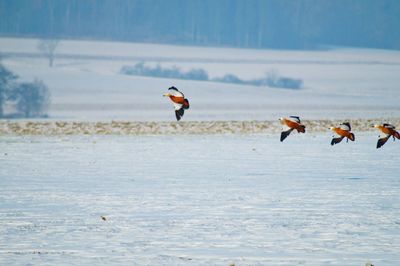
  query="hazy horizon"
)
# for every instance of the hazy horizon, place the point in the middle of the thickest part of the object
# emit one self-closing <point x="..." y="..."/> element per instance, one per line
<point x="300" y="24"/>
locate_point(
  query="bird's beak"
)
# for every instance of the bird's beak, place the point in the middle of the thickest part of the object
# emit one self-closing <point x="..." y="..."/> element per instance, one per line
<point x="375" y="126"/>
<point x="166" y="94"/>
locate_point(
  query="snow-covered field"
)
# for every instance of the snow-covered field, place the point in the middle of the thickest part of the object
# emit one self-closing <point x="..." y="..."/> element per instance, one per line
<point x="201" y="199"/>
<point x="85" y="82"/>
<point x="198" y="200"/>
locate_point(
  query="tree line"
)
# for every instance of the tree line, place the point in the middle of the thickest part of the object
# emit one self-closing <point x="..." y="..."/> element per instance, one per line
<point x="22" y="99"/>
<point x="270" y="79"/>
<point x="297" y="24"/>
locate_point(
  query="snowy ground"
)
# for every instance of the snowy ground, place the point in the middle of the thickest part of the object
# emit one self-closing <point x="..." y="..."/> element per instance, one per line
<point x="198" y="200"/>
<point x="85" y="82"/>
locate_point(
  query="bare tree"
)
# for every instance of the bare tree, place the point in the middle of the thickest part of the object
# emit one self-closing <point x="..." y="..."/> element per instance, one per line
<point x="48" y="47"/>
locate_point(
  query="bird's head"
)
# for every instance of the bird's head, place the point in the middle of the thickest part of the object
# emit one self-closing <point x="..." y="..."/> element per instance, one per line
<point x="332" y="128"/>
<point x="376" y="126"/>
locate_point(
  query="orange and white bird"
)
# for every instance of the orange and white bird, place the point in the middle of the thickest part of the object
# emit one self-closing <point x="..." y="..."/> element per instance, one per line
<point x="179" y="101"/>
<point x="344" y="131"/>
<point x="293" y="123"/>
<point x="389" y="130"/>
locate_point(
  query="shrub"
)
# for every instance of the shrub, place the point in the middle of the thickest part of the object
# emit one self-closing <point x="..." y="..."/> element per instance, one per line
<point x="271" y="79"/>
<point x="140" y="69"/>
<point x="7" y="79"/>
<point x="31" y="98"/>
<point x="229" y="78"/>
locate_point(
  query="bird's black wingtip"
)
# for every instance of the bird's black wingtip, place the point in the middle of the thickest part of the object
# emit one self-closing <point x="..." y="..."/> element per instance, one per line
<point x="381" y="142"/>
<point x="285" y="134"/>
<point x="179" y="113"/>
<point x="336" y="140"/>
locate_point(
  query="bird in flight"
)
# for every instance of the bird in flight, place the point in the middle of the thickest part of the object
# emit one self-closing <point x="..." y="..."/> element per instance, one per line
<point x="344" y="131"/>
<point x="293" y="123"/>
<point x="389" y="130"/>
<point x="178" y="99"/>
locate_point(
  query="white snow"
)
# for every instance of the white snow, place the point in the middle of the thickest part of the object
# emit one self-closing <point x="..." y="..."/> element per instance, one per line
<point x="86" y="84"/>
<point x="199" y="200"/>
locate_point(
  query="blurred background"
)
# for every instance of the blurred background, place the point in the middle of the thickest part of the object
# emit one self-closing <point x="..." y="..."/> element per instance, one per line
<point x="235" y="60"/>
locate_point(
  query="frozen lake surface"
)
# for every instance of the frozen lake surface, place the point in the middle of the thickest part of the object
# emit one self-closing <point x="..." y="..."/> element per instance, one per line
<point x="199" y="200"/>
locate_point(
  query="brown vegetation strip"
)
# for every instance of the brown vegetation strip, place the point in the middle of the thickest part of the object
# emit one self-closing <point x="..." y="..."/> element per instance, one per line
<point x="49" y="128"/>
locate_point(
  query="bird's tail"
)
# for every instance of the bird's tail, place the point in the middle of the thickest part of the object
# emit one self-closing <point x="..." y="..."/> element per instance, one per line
<point x="301" y="129"/>
<point x="396" y="134"/>
<point x="286" y="133"/>
<point x="186" y="104"/>
<point x="352" y="137"/>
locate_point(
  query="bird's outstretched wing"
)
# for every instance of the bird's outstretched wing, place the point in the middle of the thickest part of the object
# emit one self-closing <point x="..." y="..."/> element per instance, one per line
<point x="389" y="126"/>
<point x="382" y="141"/>
<point x="295" y="118"/>
<point x="345" y="126"/>
<point x="286" y="133"/>
<point x="336" y="140"/>
<point x="179" y="113"/>
<point x="175" y="92"/>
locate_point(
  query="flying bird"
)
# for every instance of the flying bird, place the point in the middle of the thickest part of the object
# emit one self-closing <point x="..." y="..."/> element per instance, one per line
<point x="389" y="130"/>
<point x="178" y="99"/>
<point x="344" y="131"/>
<point x="293" y="123"/>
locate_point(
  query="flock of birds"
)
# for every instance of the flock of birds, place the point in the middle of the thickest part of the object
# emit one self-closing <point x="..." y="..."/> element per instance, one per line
<point x="343" y="131"/>
<point x="292" y="122"/>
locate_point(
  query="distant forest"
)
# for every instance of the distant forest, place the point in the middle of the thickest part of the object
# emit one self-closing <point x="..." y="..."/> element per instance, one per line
<point x="284" y="24"/>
